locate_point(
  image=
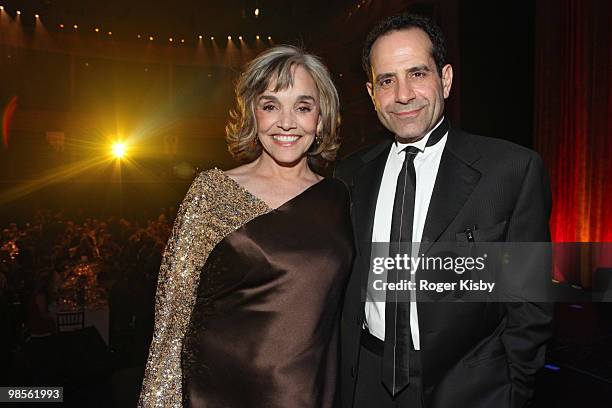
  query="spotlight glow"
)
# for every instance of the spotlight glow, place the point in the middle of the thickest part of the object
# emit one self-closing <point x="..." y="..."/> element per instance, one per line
<point x="256" y="12"/>
<point x="18" y="12"/>
<point x="36" y="16"/>
<point x="119" y="149"/>
<point x="229" y="37"/>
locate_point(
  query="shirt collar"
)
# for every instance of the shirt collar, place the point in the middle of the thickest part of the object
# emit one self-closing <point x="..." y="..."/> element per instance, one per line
<point x="420" y="144"/>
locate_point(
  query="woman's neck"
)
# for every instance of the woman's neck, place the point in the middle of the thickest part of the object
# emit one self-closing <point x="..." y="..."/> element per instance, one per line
<point x="266" y="166"/>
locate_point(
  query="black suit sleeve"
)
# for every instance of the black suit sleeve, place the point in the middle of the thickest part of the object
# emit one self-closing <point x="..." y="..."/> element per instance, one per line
<point x="345" y="169"/>
<point x="529" y="325"/>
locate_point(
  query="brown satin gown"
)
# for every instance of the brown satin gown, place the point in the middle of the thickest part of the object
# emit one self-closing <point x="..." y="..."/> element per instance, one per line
<point x="264" y="328"/>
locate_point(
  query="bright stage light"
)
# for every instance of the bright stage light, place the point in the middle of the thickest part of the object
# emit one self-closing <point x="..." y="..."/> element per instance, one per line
<point x="119" y="150"/>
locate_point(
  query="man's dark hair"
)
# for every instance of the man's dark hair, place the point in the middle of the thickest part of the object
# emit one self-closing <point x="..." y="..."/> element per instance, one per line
<point x="406" y="21"/>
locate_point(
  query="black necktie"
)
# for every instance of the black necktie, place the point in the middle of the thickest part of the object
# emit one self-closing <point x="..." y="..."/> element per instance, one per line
<point x="397" y="306"/>
<point x="398" y="337"/>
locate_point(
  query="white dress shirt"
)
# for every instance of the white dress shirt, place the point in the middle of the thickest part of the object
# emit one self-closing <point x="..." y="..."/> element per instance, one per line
<point x="426" y="164"/>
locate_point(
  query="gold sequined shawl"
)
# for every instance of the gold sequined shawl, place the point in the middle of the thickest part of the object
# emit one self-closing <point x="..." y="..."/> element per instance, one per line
<point x="214" y="206"/>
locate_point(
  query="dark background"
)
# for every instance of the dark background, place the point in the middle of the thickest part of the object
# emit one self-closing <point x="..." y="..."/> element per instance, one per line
<point x="93" y="87"/>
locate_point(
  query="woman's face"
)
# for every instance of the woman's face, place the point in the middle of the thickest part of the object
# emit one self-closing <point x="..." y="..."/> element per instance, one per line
<point x="287" y="120"/>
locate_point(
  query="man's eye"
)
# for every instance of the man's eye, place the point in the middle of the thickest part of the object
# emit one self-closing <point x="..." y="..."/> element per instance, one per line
<point x="386" y="82"/>
<point x="419" y="74"/>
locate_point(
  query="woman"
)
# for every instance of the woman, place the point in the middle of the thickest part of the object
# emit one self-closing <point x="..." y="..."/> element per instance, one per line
<point x="248" y="298"/>
<point x="40" y="321"/>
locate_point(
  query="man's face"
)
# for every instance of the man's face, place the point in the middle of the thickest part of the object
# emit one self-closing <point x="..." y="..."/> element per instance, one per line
<point x="407" y="91"/>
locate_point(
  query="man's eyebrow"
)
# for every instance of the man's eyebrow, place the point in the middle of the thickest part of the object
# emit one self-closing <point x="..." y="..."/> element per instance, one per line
<point x="410" y="70"/>
<point x="386" y="75"/>
<point x="419" y="68"/>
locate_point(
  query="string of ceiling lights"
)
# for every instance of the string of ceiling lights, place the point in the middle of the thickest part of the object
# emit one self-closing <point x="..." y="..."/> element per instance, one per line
<point x="199" y="38"/>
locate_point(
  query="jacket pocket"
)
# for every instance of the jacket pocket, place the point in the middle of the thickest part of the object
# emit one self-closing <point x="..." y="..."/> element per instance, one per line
<point x="492" y="233"/>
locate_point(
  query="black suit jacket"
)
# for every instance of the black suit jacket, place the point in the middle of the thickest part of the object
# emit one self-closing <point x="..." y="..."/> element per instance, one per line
<point x="473" y="354"/>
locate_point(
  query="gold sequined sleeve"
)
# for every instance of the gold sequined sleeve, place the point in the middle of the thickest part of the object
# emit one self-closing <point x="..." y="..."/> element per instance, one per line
<point x="213" y="207"/>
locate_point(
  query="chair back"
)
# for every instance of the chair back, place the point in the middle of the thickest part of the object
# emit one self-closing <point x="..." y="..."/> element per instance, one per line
<point x="69" y="321"/>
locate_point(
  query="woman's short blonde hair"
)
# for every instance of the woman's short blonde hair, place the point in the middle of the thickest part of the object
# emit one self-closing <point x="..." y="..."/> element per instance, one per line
<point x="277" y="65"/>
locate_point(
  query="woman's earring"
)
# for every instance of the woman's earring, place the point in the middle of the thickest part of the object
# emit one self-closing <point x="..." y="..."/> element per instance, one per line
<point x="255" y="141"/>
<point x="318" y="140"/>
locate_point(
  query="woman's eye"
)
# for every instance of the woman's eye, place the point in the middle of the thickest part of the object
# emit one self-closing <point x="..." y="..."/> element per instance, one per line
<point x="304" y="109"/>
<point x="268" y="108"/>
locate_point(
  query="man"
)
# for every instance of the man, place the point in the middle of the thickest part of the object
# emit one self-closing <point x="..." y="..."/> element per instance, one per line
<point x="446" y="186"/>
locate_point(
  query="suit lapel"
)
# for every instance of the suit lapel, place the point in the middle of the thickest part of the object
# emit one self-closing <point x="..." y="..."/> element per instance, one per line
<point x="455" y="182"/>
<point x="365" y="193"/>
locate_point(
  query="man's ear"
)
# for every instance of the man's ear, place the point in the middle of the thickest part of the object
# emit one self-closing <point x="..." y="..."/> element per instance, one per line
<point x="447" y="79"/>
<point x="371" y="93"/>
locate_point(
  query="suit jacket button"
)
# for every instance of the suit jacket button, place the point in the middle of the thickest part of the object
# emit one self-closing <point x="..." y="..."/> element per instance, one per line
<point x="352" y="371"/>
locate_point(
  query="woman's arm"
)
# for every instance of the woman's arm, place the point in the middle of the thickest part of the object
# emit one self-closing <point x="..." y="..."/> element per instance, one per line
<point x="176" y="287"/>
